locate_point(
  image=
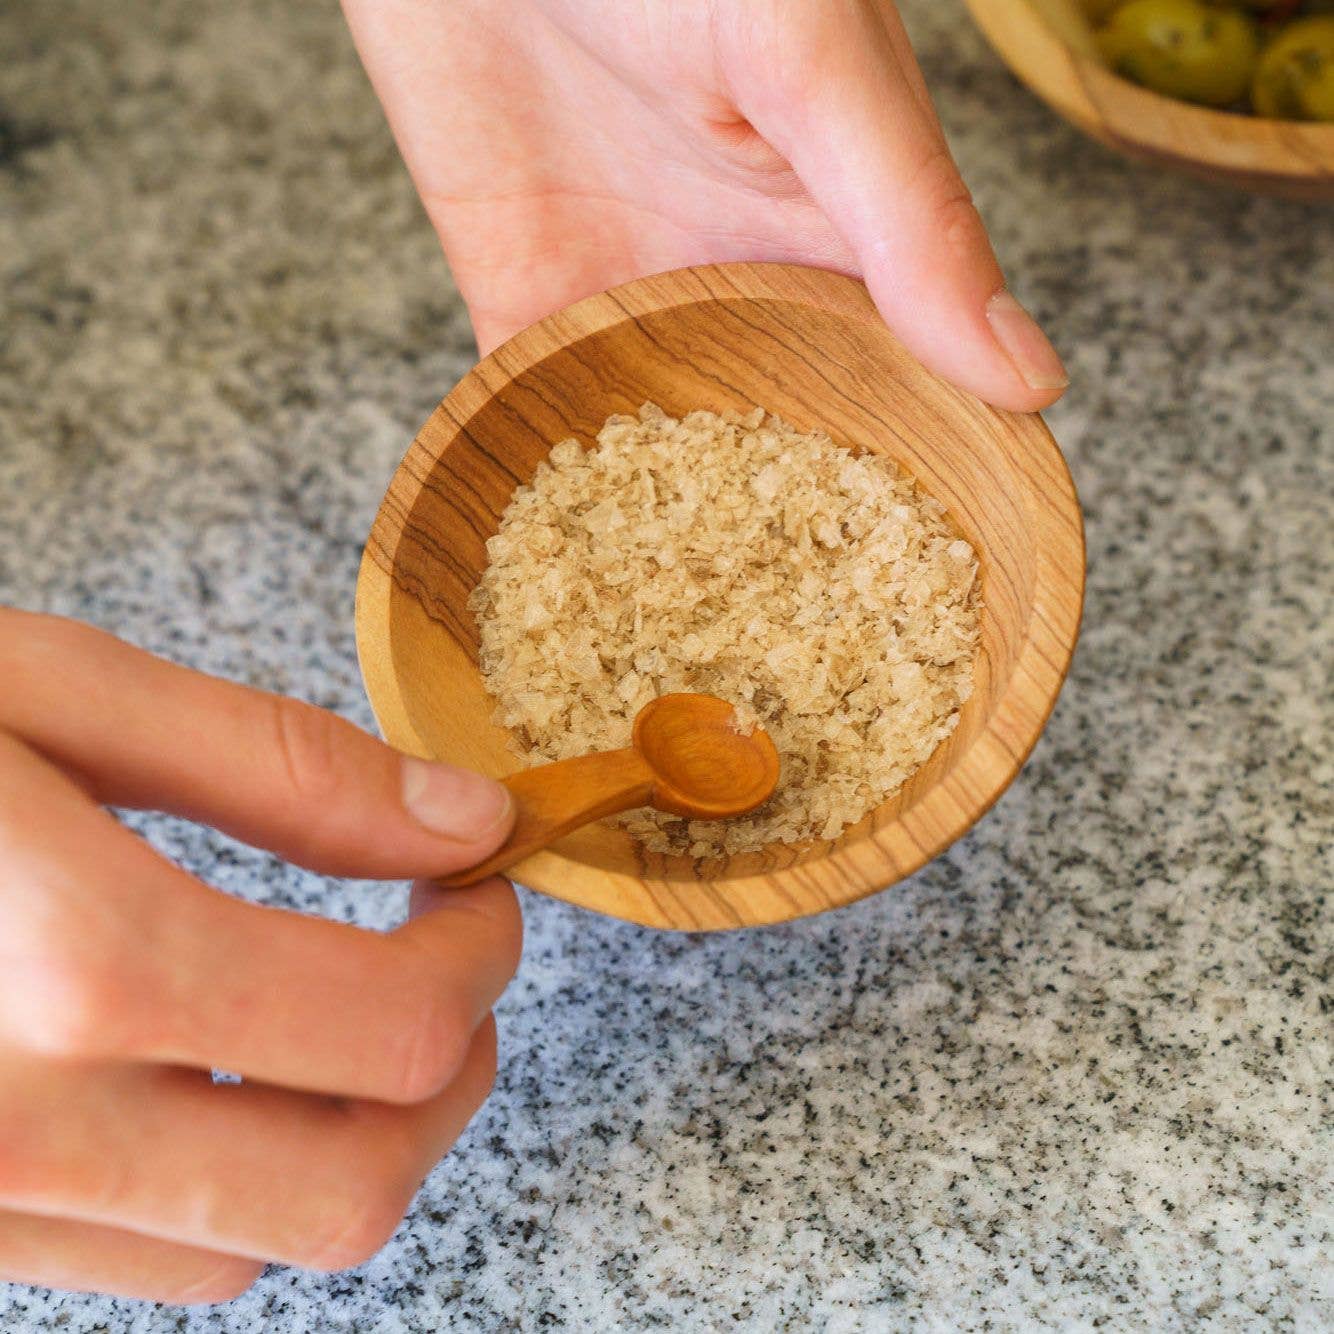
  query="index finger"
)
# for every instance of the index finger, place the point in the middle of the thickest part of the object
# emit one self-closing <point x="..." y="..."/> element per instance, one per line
<point x="300" y="781"/>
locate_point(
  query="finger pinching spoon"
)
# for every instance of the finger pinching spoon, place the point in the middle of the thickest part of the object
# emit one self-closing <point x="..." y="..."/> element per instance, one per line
<point x="686" y="757"/>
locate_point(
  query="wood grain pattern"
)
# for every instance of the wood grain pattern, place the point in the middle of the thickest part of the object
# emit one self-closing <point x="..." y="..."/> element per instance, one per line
<point x="811" y="347"/>
<point x="1037" y="39"/>
<point x="686" y="758"/>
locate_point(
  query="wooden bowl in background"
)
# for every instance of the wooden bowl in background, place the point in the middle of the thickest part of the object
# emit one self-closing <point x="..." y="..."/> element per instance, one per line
<point x="809" y="346"/>
<point x="1048" y="44"/>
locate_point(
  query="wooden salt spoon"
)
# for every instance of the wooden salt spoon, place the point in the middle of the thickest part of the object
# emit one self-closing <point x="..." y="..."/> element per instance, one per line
<point x="685" y="757"/>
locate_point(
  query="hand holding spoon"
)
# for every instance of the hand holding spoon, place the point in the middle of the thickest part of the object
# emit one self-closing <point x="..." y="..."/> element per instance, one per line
<point x="686" y="757"/>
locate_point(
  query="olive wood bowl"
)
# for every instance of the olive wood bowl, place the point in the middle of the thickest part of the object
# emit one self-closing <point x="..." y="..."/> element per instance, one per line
<point x="809" y="346"/>
<point x="1049" y="45"/>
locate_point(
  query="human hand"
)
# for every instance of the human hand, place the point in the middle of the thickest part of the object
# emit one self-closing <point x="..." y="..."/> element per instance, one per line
<point x="123" y="980"/>
<point x="564" y="146"/>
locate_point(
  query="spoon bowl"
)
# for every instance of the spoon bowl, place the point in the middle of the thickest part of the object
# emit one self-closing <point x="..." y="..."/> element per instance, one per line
<point x="704" y="768"/>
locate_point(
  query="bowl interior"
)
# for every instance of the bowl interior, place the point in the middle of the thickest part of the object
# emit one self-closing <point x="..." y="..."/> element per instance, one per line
<point x="819" y="362"/>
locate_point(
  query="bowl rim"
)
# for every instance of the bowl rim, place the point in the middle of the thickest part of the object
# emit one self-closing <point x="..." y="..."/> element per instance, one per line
<point x="940" y="815"/>
<point x="1256" y="152"/>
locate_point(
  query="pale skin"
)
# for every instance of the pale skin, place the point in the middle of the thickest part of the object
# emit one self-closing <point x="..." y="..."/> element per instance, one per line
<point x="560" y="147"/>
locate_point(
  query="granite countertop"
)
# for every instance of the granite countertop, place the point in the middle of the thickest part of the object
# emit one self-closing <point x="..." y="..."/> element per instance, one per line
<point x="1071" y="1075"/>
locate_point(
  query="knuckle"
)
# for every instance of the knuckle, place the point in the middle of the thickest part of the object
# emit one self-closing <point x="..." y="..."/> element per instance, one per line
<point x="357" y="1230"/>
<point x="947" y="198"/>
<point x="306" y="741"/>
<point x="61" y="1017"/>
<point x="434" y="1043"/>
<point x="63" y="996"/>
<point x="362" y="1208"/>
<point x="509" y="929"/>
<point x="494" y="903"/>
<point x="222" y="1284"/>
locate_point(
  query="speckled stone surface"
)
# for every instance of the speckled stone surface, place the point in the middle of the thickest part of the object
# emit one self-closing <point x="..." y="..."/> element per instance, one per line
<point x="1073" y="1075"/>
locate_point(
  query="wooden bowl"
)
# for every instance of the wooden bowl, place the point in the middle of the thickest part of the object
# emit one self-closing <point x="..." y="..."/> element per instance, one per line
<point x="809" y="346"/>
<point x="1049" y="45"/>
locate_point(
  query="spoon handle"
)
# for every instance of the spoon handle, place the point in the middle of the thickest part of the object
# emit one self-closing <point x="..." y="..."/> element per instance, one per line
<point x="555" y="798"/>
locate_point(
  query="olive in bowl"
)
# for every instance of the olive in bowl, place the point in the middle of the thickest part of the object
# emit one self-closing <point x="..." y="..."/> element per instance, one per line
<point x="1183" y="48"/>
<point x="1272" y="57"/>
<point x="1295" y="78"/>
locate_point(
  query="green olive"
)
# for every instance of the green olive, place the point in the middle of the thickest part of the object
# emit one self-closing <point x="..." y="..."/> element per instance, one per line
<point x="1096" y="11"/>
<point x="1182" y="48"/>
<point x="1295" y="80"/>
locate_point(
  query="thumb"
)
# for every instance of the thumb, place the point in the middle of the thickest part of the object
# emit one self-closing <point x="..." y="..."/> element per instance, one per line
<point x="272" y="771"/>
<point x="865" y="142"/>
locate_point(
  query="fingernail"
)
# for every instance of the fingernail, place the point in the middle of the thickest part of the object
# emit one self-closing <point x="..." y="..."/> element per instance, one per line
<point x="457" y="803"/>
<point x="1025" y="344"/>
